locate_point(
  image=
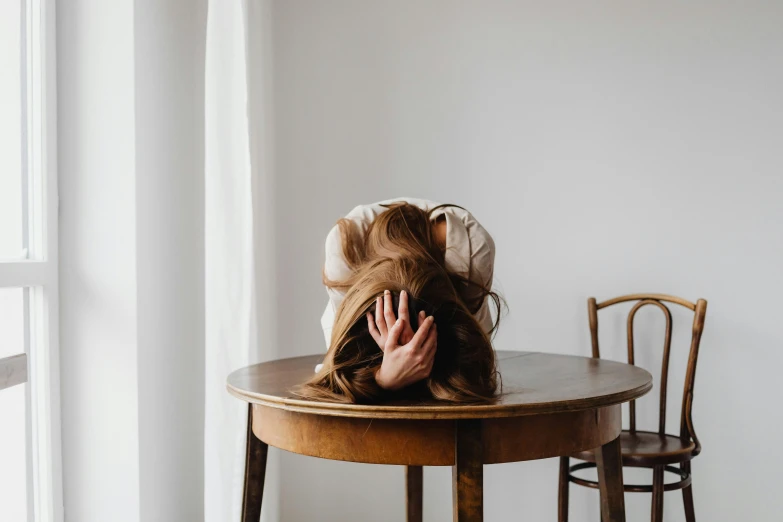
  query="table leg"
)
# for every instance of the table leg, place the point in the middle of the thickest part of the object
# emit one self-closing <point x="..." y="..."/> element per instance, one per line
<point x="414" y="485"/>
<point x="255" y="469"/>
<point x="468" y="473"/>
<point x="610" y="481"/>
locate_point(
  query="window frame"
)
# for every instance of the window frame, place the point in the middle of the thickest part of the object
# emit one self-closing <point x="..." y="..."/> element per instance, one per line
<point x="38" y="273"/>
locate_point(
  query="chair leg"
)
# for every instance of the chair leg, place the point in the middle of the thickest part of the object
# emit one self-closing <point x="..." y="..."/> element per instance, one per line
<point x="687" y="497"/>
<point x="562" y="491"/>
<point x="657" y="496"/>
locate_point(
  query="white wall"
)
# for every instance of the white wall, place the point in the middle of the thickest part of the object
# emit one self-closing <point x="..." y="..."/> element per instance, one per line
<point x="169" y="80"/>
<point x="130" y="128"/>
<point x="98" y="314"/>
<point x="609" y="148"/>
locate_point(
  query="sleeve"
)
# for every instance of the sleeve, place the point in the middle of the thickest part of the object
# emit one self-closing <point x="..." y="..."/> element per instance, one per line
<point x="472" y="253"/>
<point x="482" y="269"/>
<point x="335" y="269"/>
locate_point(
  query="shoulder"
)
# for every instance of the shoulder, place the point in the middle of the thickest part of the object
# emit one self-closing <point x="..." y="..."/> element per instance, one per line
<point x="481" y="242"/>
<point x="470" y="247"/>
<point x="333" y="241"/>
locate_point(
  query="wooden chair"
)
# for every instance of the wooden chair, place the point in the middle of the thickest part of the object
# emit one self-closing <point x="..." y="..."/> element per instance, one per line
<point x="645" y="449"/>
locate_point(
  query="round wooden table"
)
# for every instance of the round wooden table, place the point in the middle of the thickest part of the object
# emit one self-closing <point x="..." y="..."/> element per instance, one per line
<point x="551" y="405"/>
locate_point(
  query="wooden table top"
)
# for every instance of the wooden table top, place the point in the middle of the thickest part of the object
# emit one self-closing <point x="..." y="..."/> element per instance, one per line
<point x="533" y="384"/>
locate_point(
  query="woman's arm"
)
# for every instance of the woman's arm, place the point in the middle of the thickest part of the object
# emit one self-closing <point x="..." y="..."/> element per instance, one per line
<point x="335" y="269"/>
<point x="470" y="252"/>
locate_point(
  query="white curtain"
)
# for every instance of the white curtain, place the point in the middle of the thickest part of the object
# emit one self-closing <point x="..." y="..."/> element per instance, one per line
<point x="239" y="214"/>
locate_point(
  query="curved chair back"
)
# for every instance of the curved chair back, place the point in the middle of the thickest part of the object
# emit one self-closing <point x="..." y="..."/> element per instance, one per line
<point x="659" y="300"/>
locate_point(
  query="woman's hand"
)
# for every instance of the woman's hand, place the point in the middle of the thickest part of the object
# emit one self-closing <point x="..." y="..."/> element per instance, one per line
<point x="384" y="319"/>
<point x="405" y="363"/>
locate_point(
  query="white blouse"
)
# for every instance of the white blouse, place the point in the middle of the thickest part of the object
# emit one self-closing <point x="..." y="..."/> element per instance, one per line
<point x="470" y="252"/>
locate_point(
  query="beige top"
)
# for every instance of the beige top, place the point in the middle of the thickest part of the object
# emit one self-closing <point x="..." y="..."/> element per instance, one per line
<point x="470" y="252"/>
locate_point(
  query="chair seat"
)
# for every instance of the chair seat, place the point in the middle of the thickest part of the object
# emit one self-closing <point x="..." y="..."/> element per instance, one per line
<point x="642" y="448"/>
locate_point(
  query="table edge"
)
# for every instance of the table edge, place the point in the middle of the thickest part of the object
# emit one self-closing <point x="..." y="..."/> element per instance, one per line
<point x="478" y="411"/>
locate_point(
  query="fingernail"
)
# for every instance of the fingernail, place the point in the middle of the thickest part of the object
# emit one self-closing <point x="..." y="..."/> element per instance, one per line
<point x="402" y="293"/>
<point x="386" y="292"/>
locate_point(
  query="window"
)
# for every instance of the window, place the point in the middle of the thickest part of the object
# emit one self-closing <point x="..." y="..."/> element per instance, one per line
<point x="30" y="478"/>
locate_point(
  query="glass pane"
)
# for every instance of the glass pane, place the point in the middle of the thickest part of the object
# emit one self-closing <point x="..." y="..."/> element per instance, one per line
<point x="13" y="454"/>
<point x="11" y="322"/>
<point x="11" y="174"/>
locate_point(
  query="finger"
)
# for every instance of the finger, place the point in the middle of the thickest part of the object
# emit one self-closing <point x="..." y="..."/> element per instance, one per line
<point x="394" y="335"/>
<point x="388" y="309"/>
<point x="430" y="365"/>
<point x="422" y="317"/>
<point x="407" y="331"/>
<point x="431" y="345"/>
<point x="422" y="332"/>
<point x="428" y="351"/>
<point x="426" y="366"/>
<point x="431" y="342"/>
<point x="373" y="329"/>
<point x="379" y="320"/>
<point x="402" y="313"/>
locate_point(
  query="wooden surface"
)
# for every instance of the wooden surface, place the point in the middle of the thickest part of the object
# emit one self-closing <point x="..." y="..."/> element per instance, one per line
<point x="563" y="490"/>
<point x="657" y="297"/>
<point x="550" y="405"/>
<point x="533" y="383"/>
<point x="687" y="496"/>
<point x="13" y="370"/>
<point x="430" y="442"/>
<point x="610" y="480"/>
<point x="351" y="439"/>
<point x="642" y="448"/>
<point x="467" y="488"/>
<point x="255" y="472"/>
<point x="657" y="496"/>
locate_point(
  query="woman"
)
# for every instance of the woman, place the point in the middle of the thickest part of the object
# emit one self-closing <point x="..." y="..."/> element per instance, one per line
<point x="408" y="314"/>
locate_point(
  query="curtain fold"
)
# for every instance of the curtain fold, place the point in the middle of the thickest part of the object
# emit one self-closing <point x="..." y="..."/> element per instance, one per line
<point x="239" y="258"/>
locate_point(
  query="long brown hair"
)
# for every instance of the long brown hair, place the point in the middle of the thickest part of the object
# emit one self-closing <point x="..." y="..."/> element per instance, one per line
<point x="399" y="252"/>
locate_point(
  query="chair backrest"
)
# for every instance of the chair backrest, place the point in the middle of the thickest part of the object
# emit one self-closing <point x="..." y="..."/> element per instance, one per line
<point x="658" y="300"/>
